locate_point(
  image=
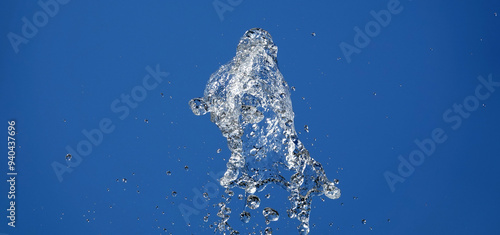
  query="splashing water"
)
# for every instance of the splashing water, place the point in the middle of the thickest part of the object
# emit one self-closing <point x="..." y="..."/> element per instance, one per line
<point x="249" y="100"/>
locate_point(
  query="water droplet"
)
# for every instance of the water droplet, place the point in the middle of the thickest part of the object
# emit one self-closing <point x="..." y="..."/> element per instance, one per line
<point x="245" y="217"/>
<point x="186" y="168"/>
<point x="251" y="188"/>
<point x="205" y="219"/>
<point x="270" y="214"/>
<point x="268" y="196"/>
<point x="229" y="192"/>
<point x="331" y="191"/>
<point x="219" y="150"/>
<point x="336" y="181"/>
<point x="303" y="229"/>
<point x="146" y="120"/>
<point x="124" y="180"/>
<point x="268" y="231"/>
<point x="174" y="194"/>
<point x="198" y="106"/>
<point x="293" y="88"/>
<point x="363" y="221"/>
<point x="306" y="128"/>
<point x="253" y="202"/>
<point x="168" y="172"/>
<point x="313" y="34"/>
<point x="68" y="157"/>
<point x="226" y="210"/>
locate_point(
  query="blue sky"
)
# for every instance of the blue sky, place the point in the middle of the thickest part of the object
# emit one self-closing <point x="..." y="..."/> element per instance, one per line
<point x="364" y="110"/>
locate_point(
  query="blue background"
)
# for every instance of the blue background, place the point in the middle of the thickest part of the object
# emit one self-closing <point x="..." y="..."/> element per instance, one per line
<point x="361" y="115"/>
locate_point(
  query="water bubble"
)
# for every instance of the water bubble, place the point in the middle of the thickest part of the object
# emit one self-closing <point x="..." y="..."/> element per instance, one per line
<point x="168" y="172"/>
<point x="174" y="194"/>
<point x="268" y="231"/>
<point x="336" y="181"/>
<point x="313" y="34"/>
<point x="68" y="157"/>
<point x="205" y="219"/>
<point x="363" y="221"/>
<point x="245" y="217"/>
<point x="124" y="180"/>
<point x="306" y="128"/>
<point x="219" y="150"/>
<point x="270" y="214"/>
<point x="268" y="196"/>
<point x="253" y="202"/>
<point x="186" y="168"/>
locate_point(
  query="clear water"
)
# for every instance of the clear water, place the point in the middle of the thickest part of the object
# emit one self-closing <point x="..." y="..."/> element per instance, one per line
<point x="249" y="100"/>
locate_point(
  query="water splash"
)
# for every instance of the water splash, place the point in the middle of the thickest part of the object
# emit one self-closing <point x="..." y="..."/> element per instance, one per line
<point x="249" y="100"/>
